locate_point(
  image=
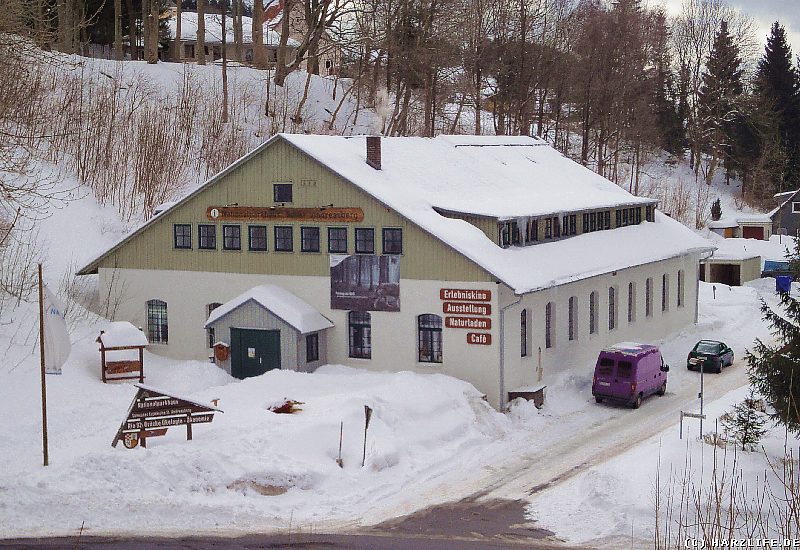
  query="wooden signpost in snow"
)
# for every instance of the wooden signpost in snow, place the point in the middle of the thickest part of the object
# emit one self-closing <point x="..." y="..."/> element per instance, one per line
<point x="153" y="411"/>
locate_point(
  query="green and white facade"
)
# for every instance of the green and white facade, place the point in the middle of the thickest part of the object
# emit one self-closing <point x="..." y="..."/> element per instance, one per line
<point x="477" y="214"/>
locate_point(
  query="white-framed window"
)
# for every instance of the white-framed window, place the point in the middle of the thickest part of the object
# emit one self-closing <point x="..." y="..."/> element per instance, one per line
<point x="648" y="297"/>
<point x="157" y="325"/>
<point x="612" y="308"/>
<point x="593" y="312"/>
<point x="631" y="302"/>
<point x="549" y="323"/>
<point x="795" y="207"/>
<point x="429" y="337"/>
<point x="573" y="318"/>
<point x="523" y="333"/>
<point x="681" y="286"/>
<point x="665" y="292"/>
<point x="210" y="331"/>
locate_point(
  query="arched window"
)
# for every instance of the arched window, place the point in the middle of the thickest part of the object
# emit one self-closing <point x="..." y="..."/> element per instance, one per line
<point x="648" y="297"/>
<point x="593" y="312"/>
<point x="612" y="308"/>
<point x="665" y="292"/>
<point x="429" y="338"/>
<point x="573" y="318"/>
<point x="211" y="336"/>
<point x="631" y="302"/>
<point x="680" y="287"/>
<point x="157" y="326"/>
<point x="549" y="323"/>
<point x="360" y="334"/>
<point x="523" y="333"/>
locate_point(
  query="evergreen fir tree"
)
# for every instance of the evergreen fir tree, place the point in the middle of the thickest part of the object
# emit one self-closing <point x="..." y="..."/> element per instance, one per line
<point x="745" y="425"/>
<point x="777" y="87"/>
<point x="774" y="370"/>
<point x="716" y="210"/>
<point x="719" y="95"/>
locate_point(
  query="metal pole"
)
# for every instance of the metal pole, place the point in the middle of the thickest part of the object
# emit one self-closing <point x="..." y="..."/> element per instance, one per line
<point x="681" y="429"/>
<point x="702" y="371"/>
<point x="41" y="355"/>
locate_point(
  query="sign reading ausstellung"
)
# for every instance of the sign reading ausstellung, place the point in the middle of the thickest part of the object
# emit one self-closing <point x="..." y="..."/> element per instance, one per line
<point x="479" y="323"/>
<point x="153" y="411"/>
<point x="280" y="213"/>
<point x="466" y="308"/>
<point x="465" y="295"/>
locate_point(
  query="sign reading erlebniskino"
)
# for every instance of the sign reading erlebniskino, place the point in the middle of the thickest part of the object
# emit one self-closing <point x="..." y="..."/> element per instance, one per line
<point x="467" y="295"/>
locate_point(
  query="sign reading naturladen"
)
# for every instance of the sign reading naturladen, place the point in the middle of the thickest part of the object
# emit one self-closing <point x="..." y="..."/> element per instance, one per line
<point x="468" y="322"/>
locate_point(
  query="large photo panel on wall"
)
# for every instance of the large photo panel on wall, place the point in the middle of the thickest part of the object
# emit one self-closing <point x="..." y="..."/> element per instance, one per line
<point x="365" y="282"/>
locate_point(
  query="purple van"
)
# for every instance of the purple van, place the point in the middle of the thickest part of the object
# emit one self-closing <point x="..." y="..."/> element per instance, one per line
<point x="628" y="372"/>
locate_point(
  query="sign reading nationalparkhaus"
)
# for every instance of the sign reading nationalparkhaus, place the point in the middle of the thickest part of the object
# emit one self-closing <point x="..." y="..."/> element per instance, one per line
<point x="153" y="411"/>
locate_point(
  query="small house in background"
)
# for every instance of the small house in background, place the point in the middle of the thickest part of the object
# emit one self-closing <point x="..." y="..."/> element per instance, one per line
<point x="122" y="352"/>
<point x="733" y="263"/>
<point x="744" y="226"/>
<point x="213" y="39"/>
<point x="268" y="328"/>
<point x="786" y="215"/>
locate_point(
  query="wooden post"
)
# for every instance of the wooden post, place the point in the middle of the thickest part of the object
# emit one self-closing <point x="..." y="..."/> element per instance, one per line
<point x="103" y="361"/>
<point x="141" y="361"/>
<point x="189" y="427"/>
<point x="41" y="354"/>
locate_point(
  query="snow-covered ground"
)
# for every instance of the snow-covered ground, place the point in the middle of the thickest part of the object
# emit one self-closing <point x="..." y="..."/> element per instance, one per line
<point x="432" y="439"/>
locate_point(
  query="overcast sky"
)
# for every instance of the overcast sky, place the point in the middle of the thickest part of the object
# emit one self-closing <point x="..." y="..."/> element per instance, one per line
<point x="764" y="13"/>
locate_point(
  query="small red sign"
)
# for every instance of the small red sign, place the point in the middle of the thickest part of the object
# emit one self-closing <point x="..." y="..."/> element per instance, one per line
<point x="466" y="308"/>
<point x="479" y="323"/>
<point x="465" y="294"/>
<point x="480" y="338"/>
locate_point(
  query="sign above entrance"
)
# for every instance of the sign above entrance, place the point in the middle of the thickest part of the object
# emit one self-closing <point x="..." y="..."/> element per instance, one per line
<point x="467" y="295"/>
<point x="279" y="213"/>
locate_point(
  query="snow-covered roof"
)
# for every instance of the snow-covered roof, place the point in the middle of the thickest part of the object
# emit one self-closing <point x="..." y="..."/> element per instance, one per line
<point x="518" y="177"/>
<point x="785" y="198"/>
<point x="742" y="249"/>
<point x="213" y="33"/>
<point x="282" y="303"/>
<point x="631" y="348"/>
<point x="740" y="219"/>
<point x="497" y="176"/>
<point x="121" y="334"/>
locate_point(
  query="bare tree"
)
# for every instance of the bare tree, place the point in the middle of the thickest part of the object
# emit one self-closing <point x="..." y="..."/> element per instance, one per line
<point x="200" y="42"/>
<point x="257" y="35"/>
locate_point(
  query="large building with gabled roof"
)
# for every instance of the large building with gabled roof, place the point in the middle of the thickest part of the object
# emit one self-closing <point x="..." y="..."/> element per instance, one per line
<point x="496" y="260"/>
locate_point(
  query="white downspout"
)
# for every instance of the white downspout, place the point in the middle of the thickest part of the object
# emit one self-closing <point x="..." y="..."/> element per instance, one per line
<point x="503" y="352"/>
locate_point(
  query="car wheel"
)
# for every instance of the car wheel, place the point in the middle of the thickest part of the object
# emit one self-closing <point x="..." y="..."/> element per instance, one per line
<point x="637" y="402"/>
<point x="663" y="389"/>
<point x="719" y="367"/>
<point x="598" y="398"/>
<point x="689" y="367"/>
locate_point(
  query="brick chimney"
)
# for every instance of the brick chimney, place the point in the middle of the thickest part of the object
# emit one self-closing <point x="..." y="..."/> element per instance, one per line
<point x="374" y="151"/>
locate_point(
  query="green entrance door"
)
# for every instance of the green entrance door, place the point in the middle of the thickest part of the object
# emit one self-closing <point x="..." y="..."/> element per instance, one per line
<point x="254" y="352"/>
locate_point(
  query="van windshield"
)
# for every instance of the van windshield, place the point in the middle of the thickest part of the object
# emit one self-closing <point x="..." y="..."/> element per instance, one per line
<point x="624" y="369"/>
<point x="606" y="367"/>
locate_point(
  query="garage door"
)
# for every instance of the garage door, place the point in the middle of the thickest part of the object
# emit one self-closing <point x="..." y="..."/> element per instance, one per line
<point x="753" y="233"/>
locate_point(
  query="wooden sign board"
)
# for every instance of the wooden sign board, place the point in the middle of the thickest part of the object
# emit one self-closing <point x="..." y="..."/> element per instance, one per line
<point x="466" y="308"/>
<point x="465" y="295"/>
<point x="280" y="213"/>
<point x="479" y="338"/>
<point x="478" y="323"/>
<point x="153" y="411"/>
